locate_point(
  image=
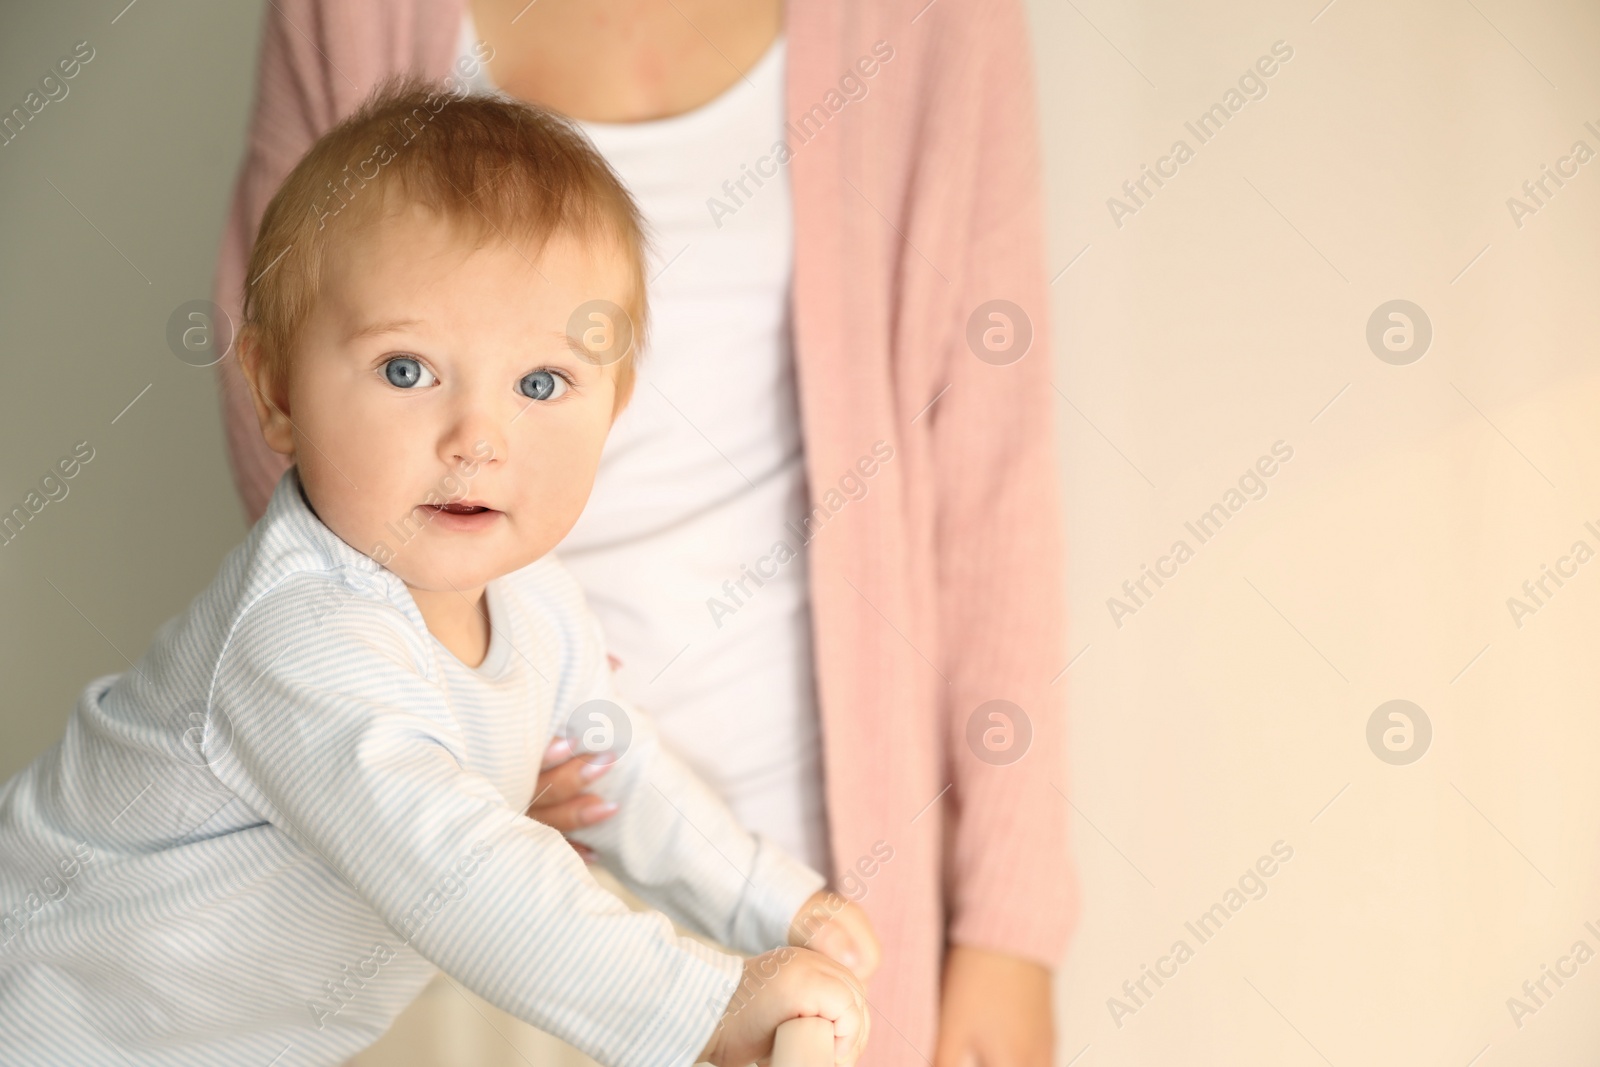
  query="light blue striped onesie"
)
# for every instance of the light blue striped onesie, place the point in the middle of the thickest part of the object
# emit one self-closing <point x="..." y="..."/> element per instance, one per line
<point x="259" y="844"/>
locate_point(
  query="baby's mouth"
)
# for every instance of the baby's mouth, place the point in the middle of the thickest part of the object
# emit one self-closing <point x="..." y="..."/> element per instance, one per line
<point x="460" y="514"/>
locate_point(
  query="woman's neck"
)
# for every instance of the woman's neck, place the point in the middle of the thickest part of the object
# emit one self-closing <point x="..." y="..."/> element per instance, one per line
<point x="624" y="60"/>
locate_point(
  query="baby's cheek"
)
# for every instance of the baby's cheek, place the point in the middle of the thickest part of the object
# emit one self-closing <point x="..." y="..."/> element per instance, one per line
<point x="555" y="505"/>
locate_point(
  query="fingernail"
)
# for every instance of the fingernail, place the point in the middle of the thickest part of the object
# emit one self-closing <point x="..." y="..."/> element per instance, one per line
<point x="595" y="812"/>
<point x="560" y="751"/>
<point x="597" y="766"/>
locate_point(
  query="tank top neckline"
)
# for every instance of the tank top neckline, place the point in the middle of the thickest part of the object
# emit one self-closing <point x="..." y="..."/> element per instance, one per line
<point x="750" y="82"/>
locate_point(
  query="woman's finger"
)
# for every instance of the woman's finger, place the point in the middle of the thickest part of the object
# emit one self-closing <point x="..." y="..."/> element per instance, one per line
<point x="574" y="814"/>
<point x="558" y="752"/>
<point x="557" y="787"/>
<point x="563" y="783"/>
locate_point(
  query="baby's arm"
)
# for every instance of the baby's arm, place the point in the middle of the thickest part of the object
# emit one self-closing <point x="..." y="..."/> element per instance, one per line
<point x="674" y="842"/>
<point x="677" y="845"/>
<point x="330" y="729"/>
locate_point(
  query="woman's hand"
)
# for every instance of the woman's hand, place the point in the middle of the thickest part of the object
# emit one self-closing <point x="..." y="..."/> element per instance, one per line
<point x="840" y="930"/>
<point x="995" y="1011"/>
<point x="559" y="801"/>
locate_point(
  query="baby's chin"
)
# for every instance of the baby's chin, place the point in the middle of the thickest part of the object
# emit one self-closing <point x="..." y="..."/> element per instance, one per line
<point x="465" y="566"/>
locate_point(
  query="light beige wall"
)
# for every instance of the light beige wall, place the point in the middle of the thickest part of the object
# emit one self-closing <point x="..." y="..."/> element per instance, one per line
<point x="111" y="207"/>
<point x="1229" y="712"/>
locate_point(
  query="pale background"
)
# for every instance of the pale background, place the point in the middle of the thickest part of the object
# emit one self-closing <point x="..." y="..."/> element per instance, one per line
<point x="1229" y="313"/>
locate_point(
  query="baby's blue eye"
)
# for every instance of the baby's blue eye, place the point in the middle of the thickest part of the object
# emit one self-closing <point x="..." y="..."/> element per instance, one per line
<point x="542" y="385"/>
<point x="405" y="372"/>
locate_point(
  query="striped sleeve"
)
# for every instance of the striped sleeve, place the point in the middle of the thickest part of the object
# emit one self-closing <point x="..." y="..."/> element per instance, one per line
<point x="673" y="841"/>
<point x="999" y="528"/>
<point x="326" y="724"/>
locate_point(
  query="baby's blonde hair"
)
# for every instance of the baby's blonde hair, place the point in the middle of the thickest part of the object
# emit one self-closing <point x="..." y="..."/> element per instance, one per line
<point x="493" y="166"/>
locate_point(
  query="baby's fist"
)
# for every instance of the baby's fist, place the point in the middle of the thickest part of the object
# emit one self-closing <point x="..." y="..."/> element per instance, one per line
<point x="785" y="984"/>
<point x="839" y="929"/>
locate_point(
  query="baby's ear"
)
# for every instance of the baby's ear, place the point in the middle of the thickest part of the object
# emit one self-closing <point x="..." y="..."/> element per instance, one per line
<point x="266" y="393"/>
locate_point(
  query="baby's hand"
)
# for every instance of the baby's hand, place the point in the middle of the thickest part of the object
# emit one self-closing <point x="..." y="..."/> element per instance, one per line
<point x="784" y="984"/>
<point x="839" y="929"/>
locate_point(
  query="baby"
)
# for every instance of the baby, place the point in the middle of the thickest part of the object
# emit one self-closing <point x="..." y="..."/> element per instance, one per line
<point x="307" y="798"/>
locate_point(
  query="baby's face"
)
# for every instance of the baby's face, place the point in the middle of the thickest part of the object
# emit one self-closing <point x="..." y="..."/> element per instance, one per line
<point x="431" y="371"/>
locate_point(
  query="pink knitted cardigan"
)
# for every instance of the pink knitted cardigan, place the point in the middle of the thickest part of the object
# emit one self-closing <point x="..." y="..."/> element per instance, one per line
<point x="942" y="589"/>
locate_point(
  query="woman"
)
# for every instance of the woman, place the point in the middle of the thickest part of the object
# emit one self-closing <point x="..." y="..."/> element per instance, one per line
<point x="825" y="537"/>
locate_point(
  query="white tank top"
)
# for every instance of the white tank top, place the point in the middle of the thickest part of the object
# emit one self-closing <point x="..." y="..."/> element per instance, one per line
<point x="704" y="468"/>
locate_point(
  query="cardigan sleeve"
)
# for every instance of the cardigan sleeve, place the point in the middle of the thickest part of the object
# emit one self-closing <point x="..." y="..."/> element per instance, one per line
<point x="999" y="536"/>
<point x="293" y="107"/>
